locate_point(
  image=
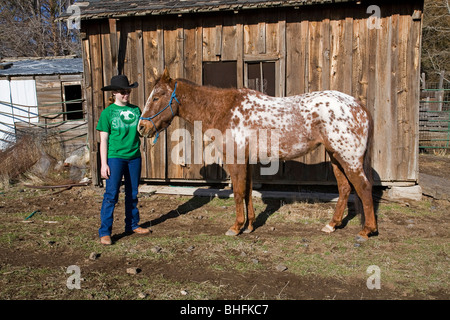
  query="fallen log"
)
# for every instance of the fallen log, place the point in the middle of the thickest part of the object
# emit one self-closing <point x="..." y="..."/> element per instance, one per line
<point x="84" y="184"/>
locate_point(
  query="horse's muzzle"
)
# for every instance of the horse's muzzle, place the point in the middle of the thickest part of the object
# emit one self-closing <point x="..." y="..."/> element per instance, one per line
<point x="146" y="129"/>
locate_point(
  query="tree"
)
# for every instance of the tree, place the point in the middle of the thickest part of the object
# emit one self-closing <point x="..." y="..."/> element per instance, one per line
<point x="28" y="28"/>
<point x="436" y="39"/>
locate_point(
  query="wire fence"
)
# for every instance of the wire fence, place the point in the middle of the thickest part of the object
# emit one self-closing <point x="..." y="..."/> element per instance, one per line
<point x="17" y="120"/>
<point x="434" y="118"/>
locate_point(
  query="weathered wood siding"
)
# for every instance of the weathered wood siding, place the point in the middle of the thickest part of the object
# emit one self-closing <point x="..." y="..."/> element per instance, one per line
<point x="49" y="91"/>
<point x="313" y="48"/>
<point x="49" y="94"/>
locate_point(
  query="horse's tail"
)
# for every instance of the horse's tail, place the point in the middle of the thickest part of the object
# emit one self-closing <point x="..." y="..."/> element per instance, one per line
<point x="367" y="165"/>
<point x="369" y="150"/>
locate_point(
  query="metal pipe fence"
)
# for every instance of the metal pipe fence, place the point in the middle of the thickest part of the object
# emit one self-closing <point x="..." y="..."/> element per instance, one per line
<point x="19" y="119"/>
<point x="434" y="119"/>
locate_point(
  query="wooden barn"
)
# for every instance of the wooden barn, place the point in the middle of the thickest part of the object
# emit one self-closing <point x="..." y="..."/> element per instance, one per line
<point x="369" y="49"/>
<point x="40" y="95"/>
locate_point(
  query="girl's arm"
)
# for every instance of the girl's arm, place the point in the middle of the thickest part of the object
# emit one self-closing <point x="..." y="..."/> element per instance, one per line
<point x="104" y="154"/>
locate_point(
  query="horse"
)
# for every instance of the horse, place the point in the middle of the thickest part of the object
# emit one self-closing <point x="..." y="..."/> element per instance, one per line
<point x="336" y="120"/>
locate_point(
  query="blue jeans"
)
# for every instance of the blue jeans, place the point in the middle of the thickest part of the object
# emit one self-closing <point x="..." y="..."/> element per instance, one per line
<point x="131" y="171"/>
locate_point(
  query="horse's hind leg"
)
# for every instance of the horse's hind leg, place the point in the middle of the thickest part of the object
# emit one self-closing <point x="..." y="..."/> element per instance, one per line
<point x="344" y="192"/>
<point x="249" y="201"/>
<point x="363" y="188"/>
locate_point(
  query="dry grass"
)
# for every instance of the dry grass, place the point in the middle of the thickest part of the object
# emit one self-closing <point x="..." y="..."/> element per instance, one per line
<point x="19" y="159"/>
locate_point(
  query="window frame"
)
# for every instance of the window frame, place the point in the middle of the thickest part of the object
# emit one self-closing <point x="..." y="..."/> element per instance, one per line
<point x="65" y="84"/>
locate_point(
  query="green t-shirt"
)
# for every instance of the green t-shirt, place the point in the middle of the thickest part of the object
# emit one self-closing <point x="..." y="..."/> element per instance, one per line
<point x="121" y="125"/>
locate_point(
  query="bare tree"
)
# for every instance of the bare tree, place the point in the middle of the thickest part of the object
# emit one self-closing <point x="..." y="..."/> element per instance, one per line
<point x="436" y="39"/>
<point x="28" y="28"/>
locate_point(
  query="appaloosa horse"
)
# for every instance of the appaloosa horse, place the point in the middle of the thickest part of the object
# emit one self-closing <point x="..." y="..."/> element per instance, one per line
<point x="331" y="118"/>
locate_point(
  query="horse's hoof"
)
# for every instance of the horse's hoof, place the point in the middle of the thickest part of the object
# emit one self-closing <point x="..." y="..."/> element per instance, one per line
<point x="231" y="233"/>
<point x="360" y="239"/>
<point x="328" y="229"/>
<point x="246" y="230"/>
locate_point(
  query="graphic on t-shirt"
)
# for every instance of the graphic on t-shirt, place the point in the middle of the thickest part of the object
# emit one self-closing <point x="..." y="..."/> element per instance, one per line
<point x="123" y="118"/>
<point x="127" y="116"/>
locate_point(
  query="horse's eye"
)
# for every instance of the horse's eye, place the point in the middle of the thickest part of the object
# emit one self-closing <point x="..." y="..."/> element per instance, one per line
<point x="155" y="99"/>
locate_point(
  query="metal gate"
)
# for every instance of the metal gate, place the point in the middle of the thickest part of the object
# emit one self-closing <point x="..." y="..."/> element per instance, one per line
<point x="434" y="119"/>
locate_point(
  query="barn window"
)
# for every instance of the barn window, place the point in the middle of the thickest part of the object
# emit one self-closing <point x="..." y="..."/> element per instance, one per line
<point x="261" y="76"/>
<point x="222" y="74"/>
<point x="73" y="105"/>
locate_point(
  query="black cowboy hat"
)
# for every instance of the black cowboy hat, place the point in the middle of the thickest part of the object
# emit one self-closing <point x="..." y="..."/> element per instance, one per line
<point x="120" y="82"/>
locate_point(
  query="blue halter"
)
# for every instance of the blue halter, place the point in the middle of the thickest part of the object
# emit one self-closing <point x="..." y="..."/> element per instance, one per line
<point x="173" y="96"/>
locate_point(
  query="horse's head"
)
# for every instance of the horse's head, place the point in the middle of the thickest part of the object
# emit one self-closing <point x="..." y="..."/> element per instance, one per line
<point x="161" y="107"/>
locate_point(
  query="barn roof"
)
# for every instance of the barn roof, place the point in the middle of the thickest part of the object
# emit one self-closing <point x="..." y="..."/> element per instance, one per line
<point x="41" y="66"/>
<point x="95" y="9"/>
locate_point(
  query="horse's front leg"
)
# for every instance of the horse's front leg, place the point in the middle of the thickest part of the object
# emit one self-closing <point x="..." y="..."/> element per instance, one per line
<point x="249" y="201"/>
<point x="238" y="179"/>
<point x="344" y="192"/>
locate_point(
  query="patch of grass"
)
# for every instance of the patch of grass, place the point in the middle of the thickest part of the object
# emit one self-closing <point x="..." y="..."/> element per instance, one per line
<point x="7" y="239"/>
<point x="412" y="256"/>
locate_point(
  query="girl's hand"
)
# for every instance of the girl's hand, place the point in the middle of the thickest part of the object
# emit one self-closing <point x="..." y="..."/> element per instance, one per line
<point x="105" y="172"/>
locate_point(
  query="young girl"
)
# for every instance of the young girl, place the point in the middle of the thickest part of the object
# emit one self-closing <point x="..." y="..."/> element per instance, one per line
<point x="120" y="157"/>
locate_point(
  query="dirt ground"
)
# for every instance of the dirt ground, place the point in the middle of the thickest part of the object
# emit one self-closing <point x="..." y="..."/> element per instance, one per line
<point x="187" y="256"/>
<point x="435" y="165"/>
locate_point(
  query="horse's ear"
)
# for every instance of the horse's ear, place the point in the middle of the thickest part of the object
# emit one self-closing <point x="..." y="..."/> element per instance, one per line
<point x="166" y="76"/>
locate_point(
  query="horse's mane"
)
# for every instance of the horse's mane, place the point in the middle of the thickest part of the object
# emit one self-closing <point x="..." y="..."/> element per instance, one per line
<point x="158" y="79"/>
<point x="206" y="86"/>
<point x="192" y="83"/>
